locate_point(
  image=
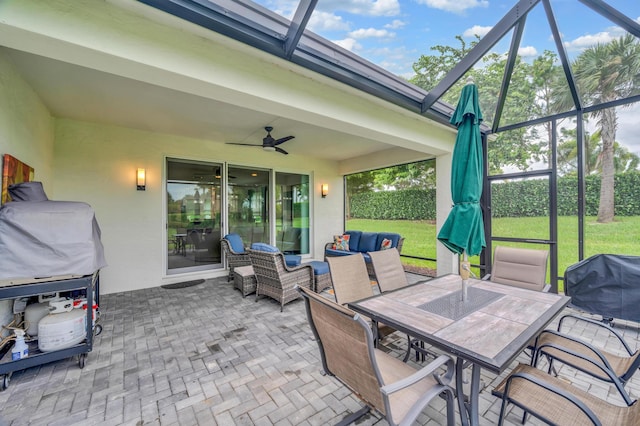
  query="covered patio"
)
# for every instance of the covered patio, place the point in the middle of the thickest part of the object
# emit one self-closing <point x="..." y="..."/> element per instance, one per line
<point x="95" y="90"/>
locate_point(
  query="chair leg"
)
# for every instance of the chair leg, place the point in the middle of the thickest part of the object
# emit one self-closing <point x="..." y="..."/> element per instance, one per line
<point x="351" y="418"/>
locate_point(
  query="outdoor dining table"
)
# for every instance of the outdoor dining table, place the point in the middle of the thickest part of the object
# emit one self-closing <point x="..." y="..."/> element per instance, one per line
<point x="488" y="330"/>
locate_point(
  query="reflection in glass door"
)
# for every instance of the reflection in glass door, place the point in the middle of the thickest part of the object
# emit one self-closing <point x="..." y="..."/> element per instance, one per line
<point x="193" y="216"/>
<point x="292" y="213"/>
<point x="248" y="203"/>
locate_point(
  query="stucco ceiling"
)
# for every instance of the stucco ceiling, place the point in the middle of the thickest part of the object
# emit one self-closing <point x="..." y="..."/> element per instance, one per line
<point x="75" y="92"/>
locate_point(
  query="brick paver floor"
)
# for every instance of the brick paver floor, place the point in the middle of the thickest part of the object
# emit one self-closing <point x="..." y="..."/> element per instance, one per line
<point x="203" y="355"/>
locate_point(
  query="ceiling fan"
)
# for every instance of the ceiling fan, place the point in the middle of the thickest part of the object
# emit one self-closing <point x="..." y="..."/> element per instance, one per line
<point x="268" y="142"/>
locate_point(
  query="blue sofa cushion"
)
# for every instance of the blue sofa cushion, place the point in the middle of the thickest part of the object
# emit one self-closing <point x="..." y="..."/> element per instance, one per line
<point x="235" y="241"/>
<point x="354" y="240"/>
<point x="395" y="238"/>
<point x="368" y="242"/>
<point x="292" y="260"/>
<point x="264" y="247"/>
<point x="336" y="252"/>
<point x="319" y="268"/>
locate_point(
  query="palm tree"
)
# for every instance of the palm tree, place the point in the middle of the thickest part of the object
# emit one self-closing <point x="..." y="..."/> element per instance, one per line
<point x="603" y="73"/>
<point x="624" y="161"/>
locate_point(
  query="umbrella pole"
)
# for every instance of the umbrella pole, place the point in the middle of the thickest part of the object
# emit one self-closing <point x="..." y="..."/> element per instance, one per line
<point x="465" y="268"/>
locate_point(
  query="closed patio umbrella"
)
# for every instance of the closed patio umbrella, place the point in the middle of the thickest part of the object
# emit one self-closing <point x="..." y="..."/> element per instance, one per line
<point x="463" y="231"/>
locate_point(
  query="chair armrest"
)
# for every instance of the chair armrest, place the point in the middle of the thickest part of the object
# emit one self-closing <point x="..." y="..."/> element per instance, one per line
<point x="421" y="374"/>
<point x="601" y="363"/>
<point x="607" y="327"/>
<point x="486" y="277"/>
<point x="546" y="386"/>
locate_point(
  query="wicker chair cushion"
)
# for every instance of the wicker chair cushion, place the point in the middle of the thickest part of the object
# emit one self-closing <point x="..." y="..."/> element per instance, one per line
<point x="264" y="247"/>
<point x="235" y="241"/>
<point x="292" y="260"/>
<point x="319" y="268"/>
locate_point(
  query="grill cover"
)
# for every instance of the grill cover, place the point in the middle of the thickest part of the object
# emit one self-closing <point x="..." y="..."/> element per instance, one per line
<point x="49" y="238"/>
<point x="607" y="285"/>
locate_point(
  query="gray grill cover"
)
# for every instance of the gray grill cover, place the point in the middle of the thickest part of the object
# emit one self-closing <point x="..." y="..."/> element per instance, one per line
<point x="607" y="285"/>
<point x="49" y="238"/>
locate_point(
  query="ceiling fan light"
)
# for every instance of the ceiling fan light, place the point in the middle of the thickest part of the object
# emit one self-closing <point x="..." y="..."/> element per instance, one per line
<point x="269" y="148"/>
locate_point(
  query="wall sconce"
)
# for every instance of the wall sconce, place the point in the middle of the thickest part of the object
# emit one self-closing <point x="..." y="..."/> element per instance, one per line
<point x="141" y="179"/>
<point x="324" y="189"/>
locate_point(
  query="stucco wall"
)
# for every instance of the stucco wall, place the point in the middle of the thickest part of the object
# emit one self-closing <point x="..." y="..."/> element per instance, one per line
<point x="26" y="132"/>
<point x="96" y="164"/>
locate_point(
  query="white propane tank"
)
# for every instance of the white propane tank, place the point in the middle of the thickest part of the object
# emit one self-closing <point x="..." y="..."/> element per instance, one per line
<point x="33" y="313"/>
<point x="61" y="331"/>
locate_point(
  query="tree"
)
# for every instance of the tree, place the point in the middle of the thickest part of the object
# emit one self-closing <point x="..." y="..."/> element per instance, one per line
<point x="624" y="161"/>
<point x="355" y="184"/>
<point x="515" y="147"/>
<point x="604" y="73"/>
<point x="418" y="175"/>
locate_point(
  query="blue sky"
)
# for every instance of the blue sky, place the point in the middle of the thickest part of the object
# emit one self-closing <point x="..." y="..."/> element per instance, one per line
<point x="394" y="33"/>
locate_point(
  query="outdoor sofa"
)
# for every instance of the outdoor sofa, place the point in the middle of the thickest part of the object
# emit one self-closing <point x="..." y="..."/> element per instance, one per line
<point x="354" y="242"/>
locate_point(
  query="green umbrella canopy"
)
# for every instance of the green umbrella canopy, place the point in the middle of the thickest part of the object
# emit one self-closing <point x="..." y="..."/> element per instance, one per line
<point x="464" y="230"/>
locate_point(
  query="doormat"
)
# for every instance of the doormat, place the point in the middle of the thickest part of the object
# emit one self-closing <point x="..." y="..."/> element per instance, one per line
<point x="182" y="284"/>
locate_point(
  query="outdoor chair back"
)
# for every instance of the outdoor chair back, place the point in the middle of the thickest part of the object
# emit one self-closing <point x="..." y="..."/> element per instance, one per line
<point x="388" y="269"/>
<point x="395" y="389"/>
<point x="519" y="267"/>
<point x="557" y="402"/>
<point x="275" y="279"/>
<point x="234" y="252"/>
<point x="350" y="278"/>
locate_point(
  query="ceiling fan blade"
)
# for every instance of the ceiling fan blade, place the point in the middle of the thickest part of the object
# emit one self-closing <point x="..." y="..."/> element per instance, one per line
<point x="243" y="144"/>
<point x="281" y="151"/>
<point x="282" y="140"/>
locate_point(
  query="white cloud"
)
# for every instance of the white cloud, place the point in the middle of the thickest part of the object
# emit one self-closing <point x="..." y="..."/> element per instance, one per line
<point x="588" y="40"/>
<point x="324" y="21"/>
<point x="370" y="33"/>
<point x="455" y="6"/>
<point x="476" y="30"/>
<point x="362" y="7"/>
<point x="349" y="44"/>
<point x="395" y="24"/>
<point x="528" y="51"/>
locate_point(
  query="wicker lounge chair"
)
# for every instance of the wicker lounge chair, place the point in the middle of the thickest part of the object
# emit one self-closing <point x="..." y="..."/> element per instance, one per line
<point x="557" y="402"/>
<point x="395" y="389"/>
<point x="588" y="358"/>
<point x="235" y="252"/>
<point x="277" y="280"/>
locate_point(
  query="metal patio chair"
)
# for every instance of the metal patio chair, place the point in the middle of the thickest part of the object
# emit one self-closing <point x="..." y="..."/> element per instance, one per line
<point x="583" y="356"/>
<point x="386" y="384"/>
<point x="556" y="402"/>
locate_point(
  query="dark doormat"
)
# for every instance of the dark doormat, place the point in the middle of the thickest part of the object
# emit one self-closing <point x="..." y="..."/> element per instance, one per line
<point x="182" y="284"/>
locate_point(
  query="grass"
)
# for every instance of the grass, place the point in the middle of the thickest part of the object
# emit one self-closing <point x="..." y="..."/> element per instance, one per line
<point x="619" y="237"/>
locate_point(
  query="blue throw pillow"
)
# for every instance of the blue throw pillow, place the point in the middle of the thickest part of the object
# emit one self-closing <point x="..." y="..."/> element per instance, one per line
<point x="264" y="247"/>
<point x="235" y="241"/>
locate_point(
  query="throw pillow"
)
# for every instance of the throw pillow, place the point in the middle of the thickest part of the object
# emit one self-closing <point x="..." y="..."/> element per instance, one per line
<point x="386" y="244"/>
<point x="341" y="242"/>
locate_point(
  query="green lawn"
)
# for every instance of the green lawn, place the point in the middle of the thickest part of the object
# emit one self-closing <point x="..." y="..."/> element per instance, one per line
<point x="619" y="237"/>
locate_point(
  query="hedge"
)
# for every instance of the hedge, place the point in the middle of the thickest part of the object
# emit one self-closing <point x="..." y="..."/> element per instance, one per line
<point x="508" y="199"/>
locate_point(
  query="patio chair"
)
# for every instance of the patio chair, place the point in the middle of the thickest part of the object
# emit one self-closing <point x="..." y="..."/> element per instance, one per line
<point x="589" y="359"/>
<point x="351" y="282"/>
<point x="393" y="388"/>
<point x="390" y="276"/>
<point x="274" y="278"/>
<point x="557" y="402"/>
<point x="519" y="267"/>
<point x="234" y="252"/>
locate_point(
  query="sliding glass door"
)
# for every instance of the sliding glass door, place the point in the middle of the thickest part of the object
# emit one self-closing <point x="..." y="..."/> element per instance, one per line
<point x="193" y="216"/>
<point x="248" y="206"/>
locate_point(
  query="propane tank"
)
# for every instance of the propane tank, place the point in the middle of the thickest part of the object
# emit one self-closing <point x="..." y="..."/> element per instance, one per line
<point x="62" y="330"/>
